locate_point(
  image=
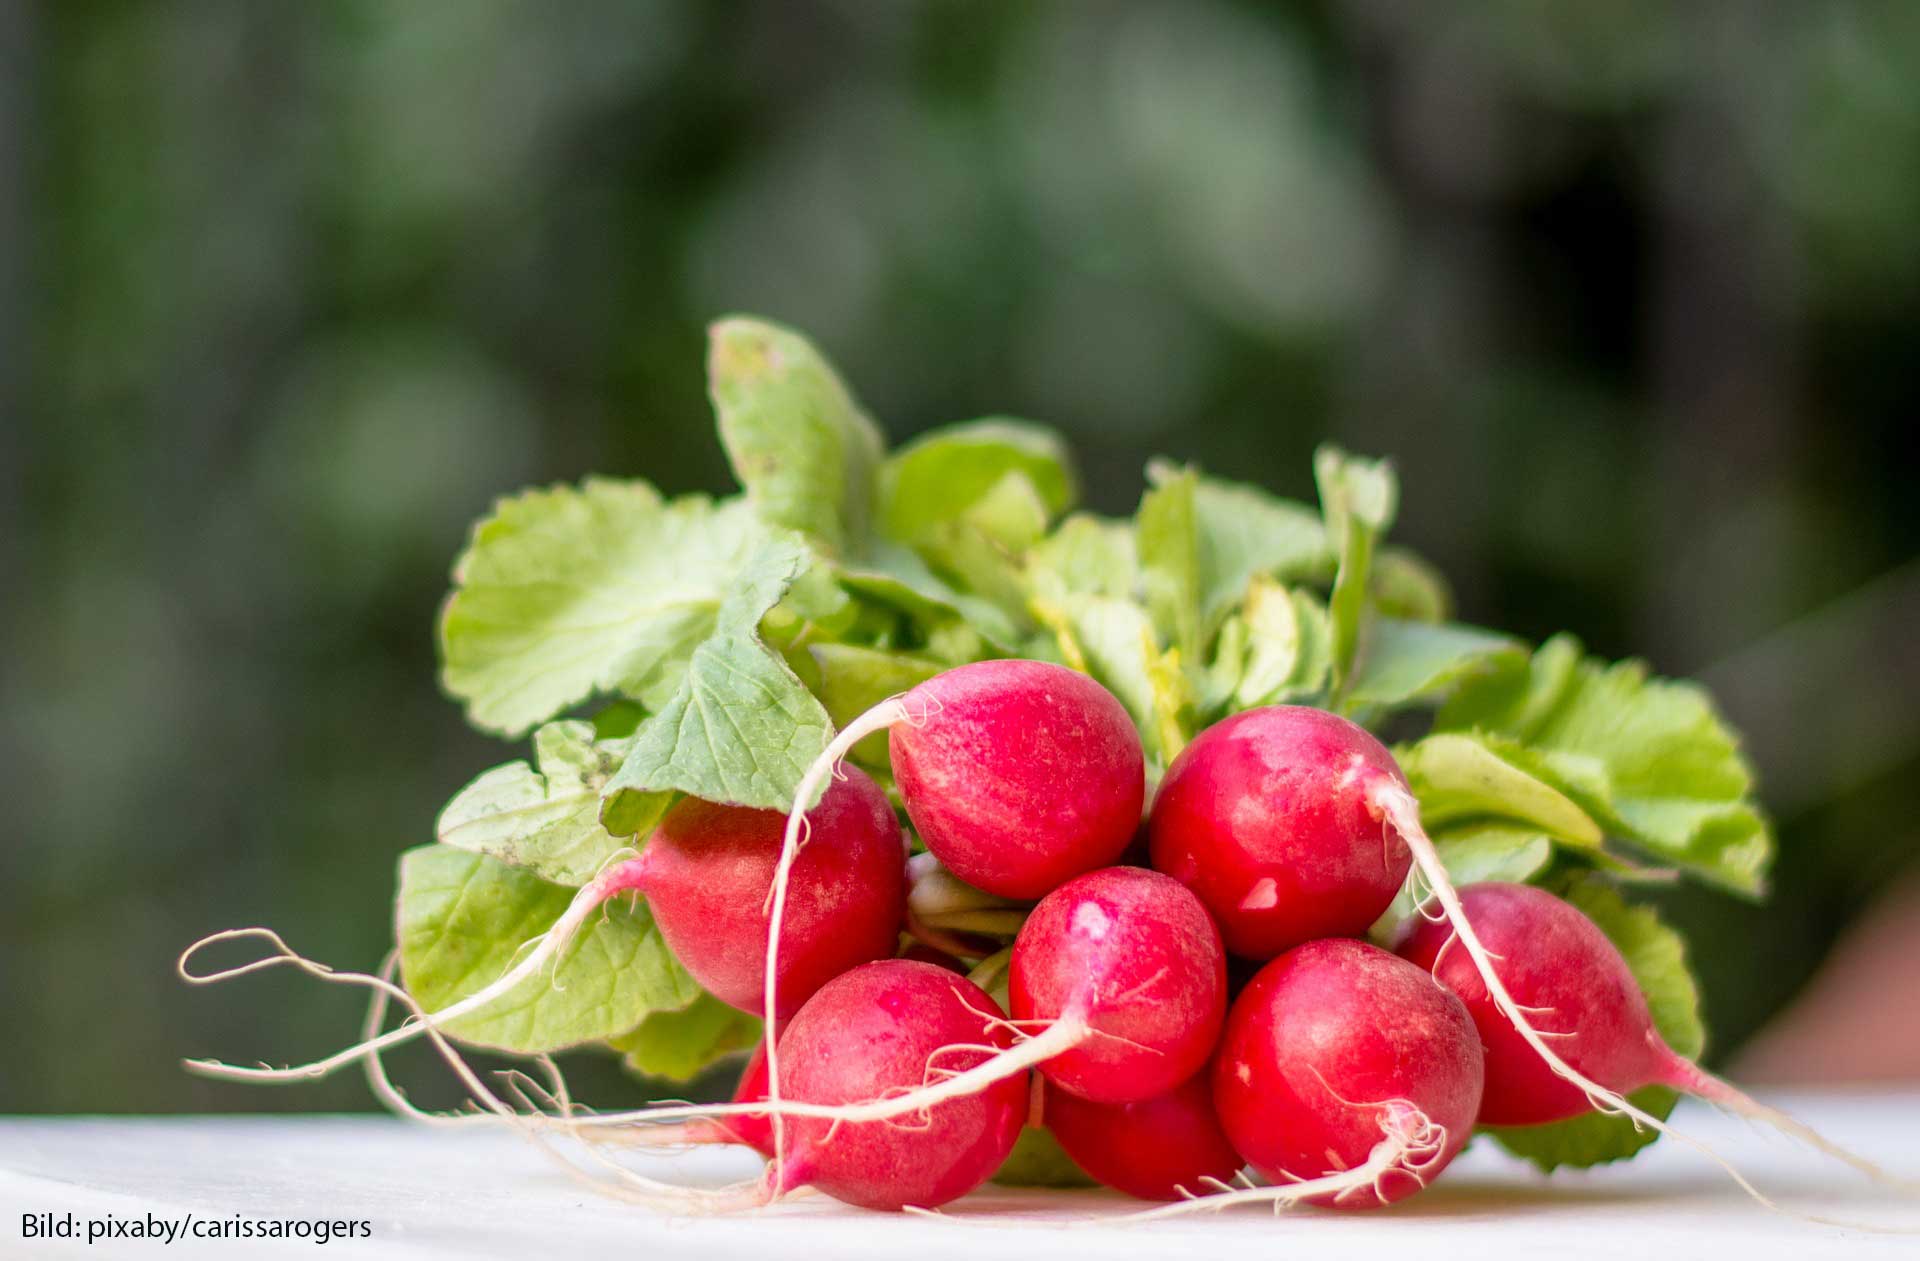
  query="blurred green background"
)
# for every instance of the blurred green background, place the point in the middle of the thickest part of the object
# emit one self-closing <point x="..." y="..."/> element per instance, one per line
<point x="288" y="294"/>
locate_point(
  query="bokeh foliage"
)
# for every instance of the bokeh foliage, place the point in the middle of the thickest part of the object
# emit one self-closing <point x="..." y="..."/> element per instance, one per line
<point x="1629" y="291"/>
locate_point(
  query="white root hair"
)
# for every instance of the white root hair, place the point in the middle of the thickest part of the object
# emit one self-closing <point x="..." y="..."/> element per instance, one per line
<point x="547" y="948"/>
<point x="1063" y="1035"/>
<point x="1410" y="1146"/>
<point x="1724" y="1094"/>
<point x="1396" y="806"/>
<point x="882" y="716"/>
<point x="626" y="1184"/>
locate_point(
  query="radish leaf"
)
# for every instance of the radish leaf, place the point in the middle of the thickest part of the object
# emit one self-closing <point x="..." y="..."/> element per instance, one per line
<point x="936" y="478"/>
<point x="1289" y="646"/>
<point x="1403" y="663"/>
<point x="1358" y="499"/>
<point x="742" y="728"/>
<point x="680" y="1045"/>
<point x="566" y="592"/>
<point x="1648" y="758"/>
<point x="464" y="918"/>
<point x="544" y="816"/>
<point x="799" y="443"/>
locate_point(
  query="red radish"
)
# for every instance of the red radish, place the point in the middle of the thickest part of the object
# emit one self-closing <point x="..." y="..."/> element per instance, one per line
<point x="887" y="1027"/>
<point x="1568" y="975"/>
<point x="707" y="869"/>
<point x="1130" y="959"/>
<point x="1569" y="979"/>
<point x="1346" y="1066"/>
<point x="1164" y="1148"/>
<point x="1270" y="816"/>
<point x="1023" y="774"/>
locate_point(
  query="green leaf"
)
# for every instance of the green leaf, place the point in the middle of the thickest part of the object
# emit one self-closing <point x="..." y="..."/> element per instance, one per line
<point x="1658" y="958"/>
<point x="1086" y="555"/>
<point x="630" y="814"/>
<point x="1011" y="516"/>
<point x="1169" y="548"/>
<point x="617" y="720"/>
<point x="1358" y="499"/>
<point x="1476" y="852"/>
<point x="799" y="443"/>
<point x="1460" y="776"/>
<point x="816" y="600"/>
<point x="465" y="918"/>
<point x="896" y="577"/>
<point x="1289" y="646"/>
<point x="1222" y="675"/>
<point x="937" y="477"/>
<point x="982" y="546"/>
<point x="1650" y="758"/>
<point x="742" y="729"/>
<point x="1081" y="584"/>
<point x="1406" y="586"/>
<point x="545" y="819"/>
<point x="1404" y="663"/>
<point x="680" y="1045"/>
<point x="853" y="680"/>
<point x="566" y="592"/>
<point x="1242" y="532"/>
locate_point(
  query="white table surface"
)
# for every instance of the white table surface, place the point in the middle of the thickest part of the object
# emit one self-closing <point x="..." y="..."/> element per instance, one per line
<point x="433" y="1193"/>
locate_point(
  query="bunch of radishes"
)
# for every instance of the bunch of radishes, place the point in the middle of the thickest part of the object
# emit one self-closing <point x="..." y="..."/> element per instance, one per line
<point x="1189" y="1005"/>
<point x="1339" y="1073"/>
